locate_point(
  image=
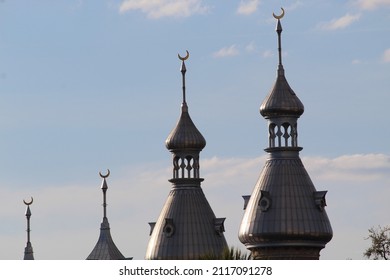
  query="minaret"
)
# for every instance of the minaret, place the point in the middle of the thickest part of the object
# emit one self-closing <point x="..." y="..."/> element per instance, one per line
<point x="105" y="248"/>
<point x="187" y="227"/>
<point x="28" y="250"/>
<point x="285" y="216"/>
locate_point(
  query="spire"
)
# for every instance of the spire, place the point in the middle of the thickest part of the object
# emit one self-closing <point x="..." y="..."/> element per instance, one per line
<point x="185" y="141"/>
<point x="285" y="216"/>
<point x="279" y="31"/>
<point x="104" y="189"/>
<point x="105" y="248"/>
<point x="282" y="101"/>
<point x="187" y="227"/>
<point x="28" y="250"/>
<point x="183" y="71"/>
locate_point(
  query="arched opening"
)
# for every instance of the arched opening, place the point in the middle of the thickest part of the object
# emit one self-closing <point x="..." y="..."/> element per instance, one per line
<point x="189" y="165"/>
<point x="272" y="135"/>
<point x="286" y="134"/>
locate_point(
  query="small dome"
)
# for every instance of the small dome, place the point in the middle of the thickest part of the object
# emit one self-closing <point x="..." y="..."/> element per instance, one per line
<point x="282" y="100"/>
<point x="185" y="135"/>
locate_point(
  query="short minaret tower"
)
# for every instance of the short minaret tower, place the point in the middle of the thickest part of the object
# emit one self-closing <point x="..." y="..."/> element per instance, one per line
<point x="105" y="248"/>
<point x="187" y="227"/>
<point x="285" y="216"/>
<point x="28" y="250"/>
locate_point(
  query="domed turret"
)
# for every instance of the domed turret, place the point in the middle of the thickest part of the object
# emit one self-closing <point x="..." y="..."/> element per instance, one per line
<point x="285" y="216"/>
<point x="187" y="227"/>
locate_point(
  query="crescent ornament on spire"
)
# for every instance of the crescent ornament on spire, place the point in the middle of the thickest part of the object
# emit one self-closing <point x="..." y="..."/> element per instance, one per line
<point x="184" y="58"/>
<point x="105" y="176"/>
<point x="280" y="16"/>
<point x="28" y="203"/>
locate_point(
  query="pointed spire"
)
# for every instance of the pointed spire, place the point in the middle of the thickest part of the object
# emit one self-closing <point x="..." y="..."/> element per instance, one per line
<point x="279" y="31"/>
<point x="282" y="100"/>
<point x="104" y="189"/>
<point x="185" y="135"/>
<point x="105" y="248"/>
<point x="183" y="71"/>
<point x="28" y="250"/>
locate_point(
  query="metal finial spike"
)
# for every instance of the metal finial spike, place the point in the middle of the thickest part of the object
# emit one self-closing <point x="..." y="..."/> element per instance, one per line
<point x="104" y="188"/>
<point x="183" y="72"/>
<point x="105" y="176"/>
<point x="28" y="212"/>
<point x="279" y="31"/>
<point x="279" y="27"/>
<point x="28" y="215"/>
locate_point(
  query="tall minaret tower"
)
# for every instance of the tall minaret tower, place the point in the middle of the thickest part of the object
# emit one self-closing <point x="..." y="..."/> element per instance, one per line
<point x="285" y="216"/>
<point x="105" y="248"/>
<point x="187" y="227"/>
<point x="28" y="250"/>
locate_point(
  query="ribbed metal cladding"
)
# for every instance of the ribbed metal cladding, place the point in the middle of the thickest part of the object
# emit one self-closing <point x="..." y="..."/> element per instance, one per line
<point x="185" y="135"/>
<point x="105" y="248"/>
<point x="281" y="100"/>
<point x="293" y="217"/>
<point x="194" y="233"/>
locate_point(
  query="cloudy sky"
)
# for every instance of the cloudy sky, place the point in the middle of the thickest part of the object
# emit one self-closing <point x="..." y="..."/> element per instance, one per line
<point x="91" y="85"/>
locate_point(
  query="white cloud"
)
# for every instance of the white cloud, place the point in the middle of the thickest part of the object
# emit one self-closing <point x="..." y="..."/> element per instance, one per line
<point x="165" y="8"/>
<point x="340" y="23"/>
<point x="356" y="61"/>
<point x="227" y="51"/>
<point x="294" y="5"/>
<point x="372" y="4"/>
<point x="268" y="53"/>
<point x="248" y="7"/>
<point x="351" y="168"/>
<point x="250" y="47"/>
<point x="386" y="56"/>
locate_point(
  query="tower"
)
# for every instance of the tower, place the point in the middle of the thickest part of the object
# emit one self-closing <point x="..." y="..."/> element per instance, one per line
<point x="284" y="217"/>
<point x="28" y="250"/>
<point x="187" y="227"/>
<point x="105" y="248"/>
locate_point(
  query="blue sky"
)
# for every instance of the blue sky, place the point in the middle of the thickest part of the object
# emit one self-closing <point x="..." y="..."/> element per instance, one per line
<point x="91" y="85"/>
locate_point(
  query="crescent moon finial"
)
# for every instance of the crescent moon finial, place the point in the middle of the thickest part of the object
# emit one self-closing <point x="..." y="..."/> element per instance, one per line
<point x="184" y="58"/>
<point x="280" y="16"/>
<point x="28" y="203"/>
<point x="105" y="176"/>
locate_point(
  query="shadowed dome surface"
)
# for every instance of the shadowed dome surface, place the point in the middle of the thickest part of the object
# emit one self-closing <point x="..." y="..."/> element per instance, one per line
<point x="185" y="135"/>
<point x="282" y="100"/>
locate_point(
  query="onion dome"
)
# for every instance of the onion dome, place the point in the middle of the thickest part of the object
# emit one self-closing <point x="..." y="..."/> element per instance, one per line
<point x="185" y="135"/>
<point x="282" y="100"/>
